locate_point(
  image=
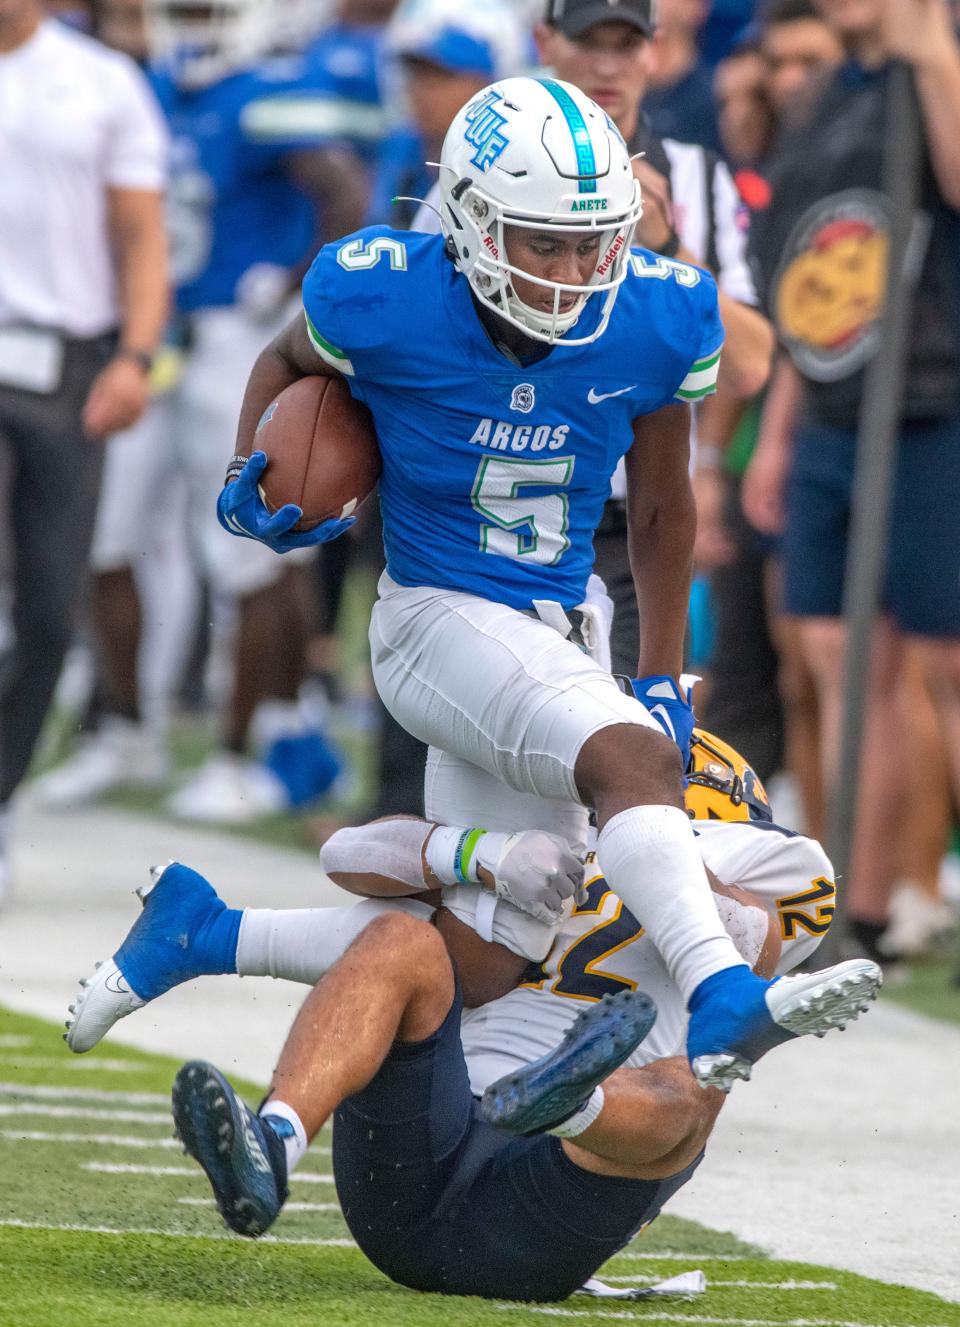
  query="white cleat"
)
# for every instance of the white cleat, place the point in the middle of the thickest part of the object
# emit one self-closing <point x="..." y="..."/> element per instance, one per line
<point x="103" y="1000"/>
<point x="808" y="1004"/>
<point x="815" y="1002"/>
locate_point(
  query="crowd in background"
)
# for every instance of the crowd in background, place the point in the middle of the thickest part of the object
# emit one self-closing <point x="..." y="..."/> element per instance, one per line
<point x="285" y="124"/>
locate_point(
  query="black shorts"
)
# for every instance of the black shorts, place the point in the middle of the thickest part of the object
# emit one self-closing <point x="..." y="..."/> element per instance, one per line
<point x="921" y="579"/>
<point x="441" y="1202"/>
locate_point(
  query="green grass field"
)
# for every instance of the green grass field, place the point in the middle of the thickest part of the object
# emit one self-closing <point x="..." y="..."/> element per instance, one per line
<point x="104" y="1221"/>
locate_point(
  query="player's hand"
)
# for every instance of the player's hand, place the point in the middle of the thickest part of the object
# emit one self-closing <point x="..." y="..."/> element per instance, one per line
<point x="655" y="228"/>
<point x="535" y="871"/>
<point x="242" y="511"/>
<point x="117" y="398"/>
<point x="671" y="705"/>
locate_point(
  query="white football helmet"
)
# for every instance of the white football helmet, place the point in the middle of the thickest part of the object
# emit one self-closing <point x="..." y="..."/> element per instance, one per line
<point x="200" y="42"/>
<point x="538" y="154"/>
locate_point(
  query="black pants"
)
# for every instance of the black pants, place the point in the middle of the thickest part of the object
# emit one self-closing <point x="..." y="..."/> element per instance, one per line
<point x="441" y="1202"/>
<point x="47" y="525"/>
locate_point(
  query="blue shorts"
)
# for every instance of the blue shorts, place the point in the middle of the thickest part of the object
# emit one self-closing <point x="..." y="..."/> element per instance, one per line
<point x="441" y="1202"/>
<point x="921" y="585"/>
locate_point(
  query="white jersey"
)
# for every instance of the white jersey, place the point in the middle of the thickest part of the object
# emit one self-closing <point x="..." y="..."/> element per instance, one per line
<point x="601" y="948"/>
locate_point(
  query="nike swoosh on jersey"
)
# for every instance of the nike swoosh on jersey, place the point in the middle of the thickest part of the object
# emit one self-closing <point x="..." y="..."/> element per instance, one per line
<point x="595" y="397"/>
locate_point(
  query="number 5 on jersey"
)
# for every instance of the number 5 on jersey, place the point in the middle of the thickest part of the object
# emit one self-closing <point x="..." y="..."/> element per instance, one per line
<point x="525" y="527"/>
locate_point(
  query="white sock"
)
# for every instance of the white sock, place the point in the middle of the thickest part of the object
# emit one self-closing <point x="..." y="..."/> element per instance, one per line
<point x="290" y="1128"/>
<point x="649" y="858"/>
<point x="301" y="944"/>
<point x="584" y="1117"/>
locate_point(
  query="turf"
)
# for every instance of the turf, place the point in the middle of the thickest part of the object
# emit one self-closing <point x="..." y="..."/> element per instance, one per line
<point x="931" y="988"/>
<point x="95" y="1230"/>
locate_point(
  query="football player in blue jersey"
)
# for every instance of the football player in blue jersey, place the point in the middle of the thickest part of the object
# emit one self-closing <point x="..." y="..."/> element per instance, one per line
<point x="508" y="365"/>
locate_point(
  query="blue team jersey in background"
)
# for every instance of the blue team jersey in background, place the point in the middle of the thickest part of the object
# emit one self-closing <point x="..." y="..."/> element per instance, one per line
<point x="230" y="204"/>
<point x="495" y="475"/>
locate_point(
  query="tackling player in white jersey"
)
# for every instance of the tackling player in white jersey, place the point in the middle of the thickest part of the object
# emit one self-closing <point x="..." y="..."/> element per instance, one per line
<point x="437" y="1198"/>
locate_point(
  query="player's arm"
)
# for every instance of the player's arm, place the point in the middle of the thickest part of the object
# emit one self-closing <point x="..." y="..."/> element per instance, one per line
<point x="138" y="236"/>
<point x="662" y="525"/>
<point x="402" y="855"/>
<point x="289" y="357"/>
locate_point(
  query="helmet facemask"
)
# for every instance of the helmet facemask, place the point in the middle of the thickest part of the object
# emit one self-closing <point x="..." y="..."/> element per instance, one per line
<point x="537" y="155"/>
<point x="481" y="227"/>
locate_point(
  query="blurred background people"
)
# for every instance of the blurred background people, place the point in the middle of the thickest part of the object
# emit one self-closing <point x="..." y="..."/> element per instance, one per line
<point x="692" y="213"/>
<point x="822" y="249"/>
<point x="250" y="203"/>
<point x="83" y="300"/>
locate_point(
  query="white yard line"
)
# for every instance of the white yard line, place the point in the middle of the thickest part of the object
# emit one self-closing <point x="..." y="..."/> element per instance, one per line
<point x="73" y="1065"/>
<point x="71" y="1227"/>
<point x="646" y="1313"/>
<point x="45" y="1092"/>
<point x="745" y="1285"/>
<point x="287" y="1207"/>
<point x="101" y="1139"/>
<point x="122" y="1168"/>
<point x="10" y="1039"/>
<point x="85" y="1113"/>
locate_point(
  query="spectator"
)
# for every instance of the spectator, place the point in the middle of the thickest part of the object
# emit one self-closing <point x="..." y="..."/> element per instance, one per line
<point x="679" y="101"/>
<point x="822" y="248"/>
<point x="800" y="51"/>
<point x="83" y="299"/>
<point x="444" y="54"/>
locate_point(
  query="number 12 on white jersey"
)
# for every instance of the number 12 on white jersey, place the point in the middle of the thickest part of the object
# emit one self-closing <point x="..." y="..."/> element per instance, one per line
<point x="496" y="496"/>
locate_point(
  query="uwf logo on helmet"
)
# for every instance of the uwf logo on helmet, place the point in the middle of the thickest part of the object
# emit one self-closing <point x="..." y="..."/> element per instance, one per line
<point x="485" y="132"/>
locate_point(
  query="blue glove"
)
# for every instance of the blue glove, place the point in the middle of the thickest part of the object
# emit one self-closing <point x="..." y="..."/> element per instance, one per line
<point x="242" y="511"/>
<point x="671" y="706"/>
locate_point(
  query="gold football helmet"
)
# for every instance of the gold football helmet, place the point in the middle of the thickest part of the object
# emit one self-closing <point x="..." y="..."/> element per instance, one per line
<point x="720" y="783"/>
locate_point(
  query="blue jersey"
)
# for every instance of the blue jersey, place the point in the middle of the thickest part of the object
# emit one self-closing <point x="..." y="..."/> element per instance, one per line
<point x="342" y="72"/>
<point x="230" y="202"/>
<point x="494" y="475"/>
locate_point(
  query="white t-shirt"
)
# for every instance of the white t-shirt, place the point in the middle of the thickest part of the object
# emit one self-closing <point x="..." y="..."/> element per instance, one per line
<point x="76" y="119"/>
<point x="596" y="949"/>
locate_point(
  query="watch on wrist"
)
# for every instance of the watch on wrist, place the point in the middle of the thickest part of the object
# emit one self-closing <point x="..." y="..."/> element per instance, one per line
<point x="142" y="357"/>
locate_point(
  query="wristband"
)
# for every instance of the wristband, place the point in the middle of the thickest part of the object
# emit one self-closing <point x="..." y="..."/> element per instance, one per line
<point x="235" y="467"/>
<point x="451" y="854"/>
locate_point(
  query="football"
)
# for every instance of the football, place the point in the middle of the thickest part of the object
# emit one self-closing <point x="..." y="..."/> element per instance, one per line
<point x="321" y="450"/>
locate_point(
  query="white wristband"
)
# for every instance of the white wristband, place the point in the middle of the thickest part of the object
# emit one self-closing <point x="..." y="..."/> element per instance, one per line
<point x="451" y="854"/>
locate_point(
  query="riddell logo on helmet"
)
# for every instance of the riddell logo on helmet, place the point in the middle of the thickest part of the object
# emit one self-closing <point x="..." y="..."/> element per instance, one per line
<point x="611" y="254"/>
<point x="589" y="205"/>
<point x="489" y="244"/>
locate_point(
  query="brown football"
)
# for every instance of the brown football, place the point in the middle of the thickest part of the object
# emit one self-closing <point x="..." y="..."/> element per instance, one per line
<point x="321" y="450"/>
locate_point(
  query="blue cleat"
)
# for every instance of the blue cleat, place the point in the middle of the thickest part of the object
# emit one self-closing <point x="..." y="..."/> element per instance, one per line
<point x="735" y="1016"/>
<point x="185" y="930"/>
<point x="548" y="1091"/>
<point x="243" y="1158"/>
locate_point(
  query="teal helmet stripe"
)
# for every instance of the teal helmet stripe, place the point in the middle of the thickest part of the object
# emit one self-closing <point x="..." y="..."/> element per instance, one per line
<point x="586" y="161"/>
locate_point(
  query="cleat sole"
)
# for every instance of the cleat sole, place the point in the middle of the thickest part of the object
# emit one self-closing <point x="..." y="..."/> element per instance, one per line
<point x="551" y="1089"/>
